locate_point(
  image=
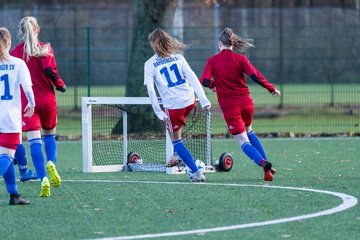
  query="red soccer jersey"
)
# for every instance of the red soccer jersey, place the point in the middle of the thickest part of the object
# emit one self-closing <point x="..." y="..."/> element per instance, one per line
<point x="43" y="85"/>
<point x="226" y="72"/>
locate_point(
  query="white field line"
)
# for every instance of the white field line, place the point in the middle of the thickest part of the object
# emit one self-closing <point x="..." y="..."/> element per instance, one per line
<point x="348" y="201"/>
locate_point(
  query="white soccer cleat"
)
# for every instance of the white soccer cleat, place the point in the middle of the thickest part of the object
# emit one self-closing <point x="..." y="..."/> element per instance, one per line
<point x="197" y="177"/>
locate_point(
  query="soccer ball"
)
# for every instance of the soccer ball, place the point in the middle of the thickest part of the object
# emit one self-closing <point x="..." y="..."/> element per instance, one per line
<point x="200" y="165"/>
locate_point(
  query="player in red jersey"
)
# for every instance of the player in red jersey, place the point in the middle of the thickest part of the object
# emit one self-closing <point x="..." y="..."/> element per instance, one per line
<point x="13" y="73"/>
<point x="224" y="73"/>
<point x="40" y="60"/>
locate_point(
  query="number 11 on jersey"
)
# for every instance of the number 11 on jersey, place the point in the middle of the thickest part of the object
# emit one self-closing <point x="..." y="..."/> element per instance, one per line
<point x="174" y="68"/>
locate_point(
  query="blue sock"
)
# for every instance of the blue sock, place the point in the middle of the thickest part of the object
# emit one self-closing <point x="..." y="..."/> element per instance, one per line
<point x="10" y="179"/>
<point x="5" y="161"/>
<point x="20" y="156"/>
<point x="37" y="157"/>
<point x="252" y="153"/>
<point x="50" y="147"/>
<point x="184" y="154"/>
<point x="254" y="140"/>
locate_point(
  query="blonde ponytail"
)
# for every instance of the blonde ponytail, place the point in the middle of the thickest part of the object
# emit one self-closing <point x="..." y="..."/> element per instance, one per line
<point x="229" y="38"/>
<point x="28" y="33"/>
<point x="5" y="43"/>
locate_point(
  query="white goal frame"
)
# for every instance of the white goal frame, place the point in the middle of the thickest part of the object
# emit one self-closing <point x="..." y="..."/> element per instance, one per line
<point x="87" y="103"/>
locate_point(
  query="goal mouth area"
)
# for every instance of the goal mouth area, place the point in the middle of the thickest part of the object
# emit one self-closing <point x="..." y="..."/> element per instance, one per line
<point x="113" y="127"/>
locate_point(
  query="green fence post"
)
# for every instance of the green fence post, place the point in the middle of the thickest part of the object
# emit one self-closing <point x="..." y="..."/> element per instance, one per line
<point x="76" y="60"/>
<point x="281" y="55"/>
<point x="332" y="60"/>
<point x="88" y="59"/>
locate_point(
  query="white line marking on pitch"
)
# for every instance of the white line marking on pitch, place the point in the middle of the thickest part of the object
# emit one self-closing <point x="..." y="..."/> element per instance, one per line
<point x="348" y="201"/>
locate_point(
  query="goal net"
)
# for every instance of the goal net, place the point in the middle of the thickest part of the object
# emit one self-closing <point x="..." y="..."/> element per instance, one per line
<point x="116" y="129"/>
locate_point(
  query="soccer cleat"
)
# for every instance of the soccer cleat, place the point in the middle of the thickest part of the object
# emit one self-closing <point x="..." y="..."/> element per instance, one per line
<point x="45" y="188"/>
<point x="273" y="171"/>
<point x="28" y="175"/>
<point x="197" y="177"/>
<point x="53" y="174"/>
<point x="16" y="199"/>
<point x="268" y="176"/>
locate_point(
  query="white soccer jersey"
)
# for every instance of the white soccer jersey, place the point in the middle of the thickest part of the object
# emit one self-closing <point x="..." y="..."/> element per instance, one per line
<point x="174" y="80"/>
<point x="13" y="72"/>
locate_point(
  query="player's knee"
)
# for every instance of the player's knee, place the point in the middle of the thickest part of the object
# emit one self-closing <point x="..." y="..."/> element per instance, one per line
<point x="248" y="129"/>
<point x="49" y="131"/>
<point x="241" y="138"/>
<point x="7" y="151"/>
<point x="33" y="134"/>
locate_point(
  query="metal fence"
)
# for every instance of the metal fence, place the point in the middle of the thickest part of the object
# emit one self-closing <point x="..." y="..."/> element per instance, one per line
<point x="317" y="68"/>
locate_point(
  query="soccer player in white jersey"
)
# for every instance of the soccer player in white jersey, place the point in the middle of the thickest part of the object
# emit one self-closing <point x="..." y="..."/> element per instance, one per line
<point x="176" y="83"/>
<point x="13" y="73"/>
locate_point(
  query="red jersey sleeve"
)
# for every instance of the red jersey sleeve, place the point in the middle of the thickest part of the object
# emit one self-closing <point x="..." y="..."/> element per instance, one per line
<point x="255" y="75"/>
<point x="49" y="67"/>
<point x="206" y="77"/>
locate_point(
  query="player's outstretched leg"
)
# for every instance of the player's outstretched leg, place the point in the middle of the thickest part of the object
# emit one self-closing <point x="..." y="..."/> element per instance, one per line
<point x="255" y="141"/>
<point x="186" y="156"/>
<point x="254" y="154"/>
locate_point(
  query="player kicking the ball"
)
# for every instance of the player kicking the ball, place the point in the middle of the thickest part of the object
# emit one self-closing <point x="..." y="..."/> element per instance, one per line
<point x="175" y="82"/>
<point x="224" y="73"/>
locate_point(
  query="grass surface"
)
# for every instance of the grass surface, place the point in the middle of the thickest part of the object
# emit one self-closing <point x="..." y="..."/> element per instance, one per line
<point x="122" y="204"/>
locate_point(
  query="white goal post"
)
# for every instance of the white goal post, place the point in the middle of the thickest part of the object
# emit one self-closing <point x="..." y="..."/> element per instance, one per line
<point x="89" y="138"/>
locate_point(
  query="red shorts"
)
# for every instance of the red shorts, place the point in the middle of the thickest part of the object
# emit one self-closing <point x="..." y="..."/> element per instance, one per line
<point x="9" y="140"/>
<point x="237" y="118"/>
<point x="45" y="119"/>
<point x="177" y="117"/>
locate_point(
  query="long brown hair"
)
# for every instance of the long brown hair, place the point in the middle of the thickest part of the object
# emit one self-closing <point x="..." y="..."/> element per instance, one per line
<point x="164" y="44"/>
<point x="28" y="33"/>
<point x="5" y="43"/>
<point x="229" y="38"/>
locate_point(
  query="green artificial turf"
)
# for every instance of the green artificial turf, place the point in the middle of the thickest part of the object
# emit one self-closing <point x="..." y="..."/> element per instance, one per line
<point x="99" y="205"/>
